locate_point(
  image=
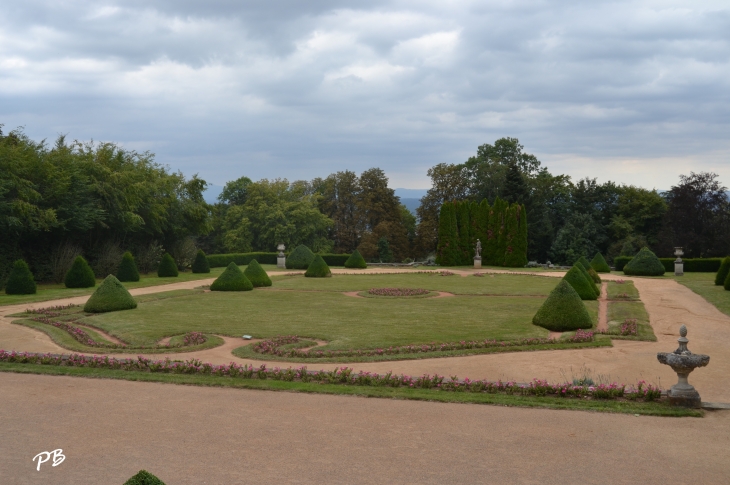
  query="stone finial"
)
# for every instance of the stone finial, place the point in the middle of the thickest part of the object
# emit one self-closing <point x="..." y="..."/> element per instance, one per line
<point x="683" y="331"/>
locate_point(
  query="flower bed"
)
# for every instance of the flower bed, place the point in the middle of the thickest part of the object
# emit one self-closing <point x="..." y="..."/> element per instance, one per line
<point x="630" y="327"/>
<point x="274" y="346"/>
<point x="344" y="376"/>
<point x="398" y="291"/>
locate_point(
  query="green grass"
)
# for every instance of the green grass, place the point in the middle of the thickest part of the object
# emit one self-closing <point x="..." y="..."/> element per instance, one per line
<point x="619" y="311"/>
<point x="627" y="287"/>
<point x="704" y="285"/>
<point x="626" y="407"/>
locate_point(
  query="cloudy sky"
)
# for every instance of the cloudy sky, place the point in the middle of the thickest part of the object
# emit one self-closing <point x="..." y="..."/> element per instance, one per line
<point x="637" y="92"/>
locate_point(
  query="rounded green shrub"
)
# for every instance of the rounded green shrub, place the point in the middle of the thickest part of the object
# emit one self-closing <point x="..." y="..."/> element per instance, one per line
<point x="599" y="264"/>
<point x="563" y="310"/>
<point x="128" y="268"/>
<point x="300" y="258"/>
<point x="80" y="275"/>
<point x="318" y="268"/>
<point x="200" y="265"/>
<point x="356" y="261"/>
<point x="722" y="273"/>
<point x="257" y="275"/>
<point x="167" y="267"/>
<point x="645" y="263"/>
<point x="144" y="478"/>
<point x="231" y="279"/>
<point x="20" y="281"/>
<point x="581" y="284"/>
<point x="110" y="296"/>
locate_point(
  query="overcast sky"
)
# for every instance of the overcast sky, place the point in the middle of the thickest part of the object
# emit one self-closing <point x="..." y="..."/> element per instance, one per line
<point x="635" y="92"/>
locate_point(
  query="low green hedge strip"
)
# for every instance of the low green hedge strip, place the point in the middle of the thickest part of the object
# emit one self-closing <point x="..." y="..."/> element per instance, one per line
<point x="691" y="265"/>
<point x="242" y="259"/>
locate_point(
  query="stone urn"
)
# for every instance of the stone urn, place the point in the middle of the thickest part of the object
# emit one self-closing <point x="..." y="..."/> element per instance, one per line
<point x="682" y="361"/>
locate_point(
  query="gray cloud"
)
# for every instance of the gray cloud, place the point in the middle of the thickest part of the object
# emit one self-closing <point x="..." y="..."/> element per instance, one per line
<point x="635" y="92"/>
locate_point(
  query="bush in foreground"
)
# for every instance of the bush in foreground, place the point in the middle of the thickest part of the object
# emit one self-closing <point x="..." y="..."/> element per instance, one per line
<point x="232" y="279"/>
<point x="80" y="275"/>
<point x="563" y="310"/>
<point x="144" y="478"/>
<point x="110" y="296"/>
<point x="599" y="264"/>
<point x="200" y="265"/>
<point x="20" y="281"/>
<point x="257" y="275"/>
<point x="128" y="268"/>
<point x="645" y="263"/>
<point x="580" y="283"/>
<point x="167" y="268"/>
<point x="318" y="269"/>
<point x="300" y="258"/>
<point x="722" y="273"/>
<point x="356" y="261"/>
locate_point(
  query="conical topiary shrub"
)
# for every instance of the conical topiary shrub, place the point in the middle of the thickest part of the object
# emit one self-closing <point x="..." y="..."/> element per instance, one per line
<point x="144" y="478"/>
<point x="356" y="261"/>
<point x="200" y="265"/>
<point x="257" y="275"/>
<point x="110" y="296"/>
<point x="318" y="268"/>
<point x="300" y="258"/>
<point x="722" y="273"/>
<point x="645" y="263"/>
<point x="563" y="310"/>
<point x="128" y="268"/>
<point x="20" y="281"/>
<point x="232" y="279"/>
<point x="167" y="267"/>
<point x="579" y="266"/>
<point x="80" y="275"/>
<point x="599" y="264"/>
<point x="584" y="287"/>
<point x="594" y="276"/>
<point x="726" y="284"/>
<point x="583" y="261"/>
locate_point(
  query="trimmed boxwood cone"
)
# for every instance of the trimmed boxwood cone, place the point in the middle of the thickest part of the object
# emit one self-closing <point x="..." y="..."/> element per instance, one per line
<point x="232" y="279"/>
<point x="318" y="268"/>
<point x="582" y="260"/>
<point x="599" y="264"/>
<point x="80" y="275"/>
<point x="726" y="285"/>
<point x="200" y="265"/>
<point x="20" y="281"/>
<point x="257" y="275"/>
<point x="300" y="258"/>
<point x="722" y="273"/>
<point x="563" y="310"/>
<point x="356" y="261"/>
<point x="588" y="278"/>
<point x="144" y="478"/>
<point x="167" y="267"/>
<point x="110" y="296"/>
<point x="645" y="263"/>
<point x="584" y="287"/>
<point x="594" y="276"/>
<point x="128" y="268"/>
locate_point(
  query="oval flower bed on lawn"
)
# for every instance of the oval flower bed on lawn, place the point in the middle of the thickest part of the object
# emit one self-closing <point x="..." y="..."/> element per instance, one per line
<point x="398" y="292"/>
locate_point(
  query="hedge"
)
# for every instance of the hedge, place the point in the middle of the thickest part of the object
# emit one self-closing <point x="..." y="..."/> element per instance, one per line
<point x="80" y="275"/>
<point x="20" y="281"/>
<point x="620" y="261"/>
<point x="691" y="265"/>
<point x="563" y="310"/>
<point x="128" y="268"/>
<point x="110" y="296"/>
<point x="242" y="259"/>
<point x="722" y="273"/>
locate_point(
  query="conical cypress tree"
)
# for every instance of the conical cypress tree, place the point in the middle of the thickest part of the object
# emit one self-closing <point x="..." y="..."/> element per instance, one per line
<point x="128" y="268"/>
<point x="481" y="223"/>
<point x="599" y="264"/>
<point x="200" y="265"/>
<point x="645" y="263"/>
<point x="231" y="279"/>
<point x="80" y="275"/>
<point x="318" y="269"/>
<point x="167" y="267"/>
<point x="257" y="275"/>
<point x="466" y="252"/>
<point x="512" y="257"/>
<point x="521" y="244"/>
<point x="563" y="310"/>
<point x="110" y="296"/>
<point x="356" y="261"/>
<point x="722" y="273"/>
<point x="20" y="281"/>
<point x="490" y="245"/>
<point x="300" y="258"/>
<point x="447" y="252"/>
<point x="143" y="477"/>
<point x="581" y="284"/>
<point x="500" y="208"/>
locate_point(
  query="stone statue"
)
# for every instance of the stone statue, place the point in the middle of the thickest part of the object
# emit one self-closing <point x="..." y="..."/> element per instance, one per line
<point x="479" y="249"/>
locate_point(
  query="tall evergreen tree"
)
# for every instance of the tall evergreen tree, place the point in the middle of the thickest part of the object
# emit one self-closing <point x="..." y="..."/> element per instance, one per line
<point x="515" y="190"/>
<point x="448" y="243"/>
<point x="500" y="208"/>
<point x="464" y="229"/>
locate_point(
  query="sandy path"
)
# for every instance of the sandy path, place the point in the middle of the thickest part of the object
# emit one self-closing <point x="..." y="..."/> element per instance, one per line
<point x="192" y="435"/>
<point x="668" y="303"/>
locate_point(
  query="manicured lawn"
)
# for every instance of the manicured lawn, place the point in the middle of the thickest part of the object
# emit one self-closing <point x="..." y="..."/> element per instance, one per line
<point x="620" y="311"/>
<point x="704" y="285"/>
<point x="622" y="291"/>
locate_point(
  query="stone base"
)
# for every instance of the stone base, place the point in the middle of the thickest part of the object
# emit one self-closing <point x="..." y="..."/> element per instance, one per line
<point x="678" y="269"/>
<point x="477" y="263"/>
<point x="684" y="398"/>
<point x="281" y="262"/>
